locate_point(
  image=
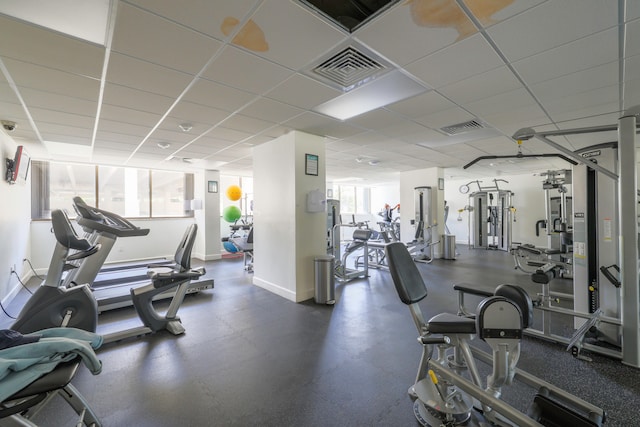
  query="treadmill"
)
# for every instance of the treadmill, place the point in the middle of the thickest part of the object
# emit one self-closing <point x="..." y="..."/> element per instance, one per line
<point x="112" y="287"/>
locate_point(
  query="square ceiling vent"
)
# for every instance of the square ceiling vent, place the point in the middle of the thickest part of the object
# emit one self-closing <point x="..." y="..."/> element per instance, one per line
<point x="349" y="67"/>
<point x="348" y="15"/>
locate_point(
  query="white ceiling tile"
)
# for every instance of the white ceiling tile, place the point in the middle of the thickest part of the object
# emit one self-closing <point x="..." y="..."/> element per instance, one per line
<point x="188" y="112"/>
<point x="578" y="55"/>
<point x="150" y="38"/>
<point x="302" y="92"/>
<point x="124" y="128"/>
<point x="237" y="68"/>
<point x="227" y="134"/>
<point x="247" y="124"/>
<point x="135" y="99"/>
<point x="134" y="73"/>
<point x="421" y="104"/>
<point x="501" y="103"/>
<point x="32" y="76"/>
<point x="402" y="129"/>
<point x="510" y="121"/>
<point x="46" y="100"/>
<point x="376" y="119"/>
<point x="487" y="14"/>
<point x="205" y="16"/>
<point x="481" y="86"/>
<point x="30" y="43"/>
<point x="445" y="118"/>
<point x="597" y="101"/>
<point x="582" y="81"/>
<point x="403" y="39"/>
<point x="633" y="36"/>
<point x="551" y="24"/>
<point x="270" y="110"/>
<point x="306" y="36"/>
<point x="205" y="92"/>
<point x="633" y="10"/>
<point x="128" y="115"/>
<point x="631" y="93"/>
<point x="451" y="64"/>
<point x="50" y="116"/>
<point x="117" y="139"/>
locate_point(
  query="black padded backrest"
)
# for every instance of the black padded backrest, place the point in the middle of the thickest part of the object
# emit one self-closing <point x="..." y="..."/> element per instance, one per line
<point x="65" y="233"/>
<point x="405" y="274"/>
<point x="521" y="298"/>
<point x="250" y="236"/>
<point x="361" y="234"/>
<point x="183" y="253"/>
<point x="85" y="210"/>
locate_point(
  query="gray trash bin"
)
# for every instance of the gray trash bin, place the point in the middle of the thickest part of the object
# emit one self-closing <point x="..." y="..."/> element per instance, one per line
<point x="449" y="246"/>
<point x="325" y="282"/>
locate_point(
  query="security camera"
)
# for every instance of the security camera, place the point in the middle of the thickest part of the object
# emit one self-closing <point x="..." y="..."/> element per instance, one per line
<point x="8" y="125"/>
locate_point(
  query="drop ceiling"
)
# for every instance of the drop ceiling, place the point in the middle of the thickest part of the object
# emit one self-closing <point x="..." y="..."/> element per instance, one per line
<point x="238" y="74"/>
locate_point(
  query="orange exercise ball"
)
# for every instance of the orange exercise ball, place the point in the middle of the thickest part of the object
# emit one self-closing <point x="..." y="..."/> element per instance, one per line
<point x="234" y="192"/>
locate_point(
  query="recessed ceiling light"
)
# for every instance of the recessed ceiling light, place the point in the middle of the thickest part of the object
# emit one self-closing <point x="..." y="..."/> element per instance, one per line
<point x="392" y="87"/>
<point x="374" y="162"/>
<point x="164" y="145"/>
<point x="185" y="127"/>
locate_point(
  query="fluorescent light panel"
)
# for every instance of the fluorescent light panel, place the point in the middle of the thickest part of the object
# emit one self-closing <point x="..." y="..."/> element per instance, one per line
<point x="392" y="87"/>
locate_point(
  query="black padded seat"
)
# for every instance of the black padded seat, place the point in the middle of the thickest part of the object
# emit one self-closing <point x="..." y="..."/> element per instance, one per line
<point x="58" y="378"/>
<point x="447" y="323"/>
<point x="521" y="298"/>
<point x="38" y="390"/>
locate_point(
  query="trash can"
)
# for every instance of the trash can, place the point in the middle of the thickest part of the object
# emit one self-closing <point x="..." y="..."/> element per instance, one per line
<point x="449" y="246"/>
<point x="325" y="292"/>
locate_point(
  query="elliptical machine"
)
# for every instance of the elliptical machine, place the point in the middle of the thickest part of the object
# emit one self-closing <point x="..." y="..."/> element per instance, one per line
<point x="53" y="305"/>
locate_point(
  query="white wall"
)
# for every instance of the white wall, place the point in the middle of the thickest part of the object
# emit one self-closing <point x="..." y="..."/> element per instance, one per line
<point x="528" y="201"/>
<point x="286" y="237"/>
<point x="15" y="217"/>
<point x="208" y="245"/>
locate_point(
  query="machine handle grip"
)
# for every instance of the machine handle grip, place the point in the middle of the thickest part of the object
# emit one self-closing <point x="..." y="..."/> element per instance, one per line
<point x="610" y="277"/>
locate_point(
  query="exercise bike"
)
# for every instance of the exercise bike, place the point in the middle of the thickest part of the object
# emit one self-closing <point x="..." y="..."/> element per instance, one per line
<point x="53" y="305"/>
<point x="448" y="390"/>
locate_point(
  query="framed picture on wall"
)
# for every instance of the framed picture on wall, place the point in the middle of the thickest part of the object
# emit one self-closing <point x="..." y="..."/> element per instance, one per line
<point x="311" y="164"/>
<point x="212" y="186"/>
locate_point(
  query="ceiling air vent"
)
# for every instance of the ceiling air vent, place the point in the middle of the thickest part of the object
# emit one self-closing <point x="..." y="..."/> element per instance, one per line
<point x="349" y="68"/>
<point x="465" y="127"/>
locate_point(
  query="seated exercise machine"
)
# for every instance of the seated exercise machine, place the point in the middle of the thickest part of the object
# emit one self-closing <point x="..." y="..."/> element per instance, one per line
<point x="448" y="386"/>
<point x="53" y="305"/>
<point x="358" y="244"/>
<point x="26" y="402"/>
<point x="111" y="287"/>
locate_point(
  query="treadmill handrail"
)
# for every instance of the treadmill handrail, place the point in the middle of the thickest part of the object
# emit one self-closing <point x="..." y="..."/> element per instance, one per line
<point x="105" y="221"/>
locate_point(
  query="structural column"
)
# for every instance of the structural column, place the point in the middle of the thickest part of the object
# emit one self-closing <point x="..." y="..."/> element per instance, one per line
<point x="628" y="219"/>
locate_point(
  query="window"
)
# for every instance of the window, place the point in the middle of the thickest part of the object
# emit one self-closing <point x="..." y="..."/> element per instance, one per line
<point x="354" y="200"/>
<point x="168" y="189"/>
<point x="124" y="190"/>
<point x="129" y="192"/>
<point x="54" y="185"/>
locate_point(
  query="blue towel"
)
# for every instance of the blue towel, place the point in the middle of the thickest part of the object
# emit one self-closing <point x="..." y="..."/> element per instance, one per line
<point x="23" y="364"/>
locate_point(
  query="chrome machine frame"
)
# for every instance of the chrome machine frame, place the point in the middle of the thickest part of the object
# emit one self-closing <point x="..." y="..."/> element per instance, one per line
<point x="626" y="215"/>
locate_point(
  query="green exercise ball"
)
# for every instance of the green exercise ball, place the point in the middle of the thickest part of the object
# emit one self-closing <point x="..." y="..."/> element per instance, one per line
<point x="231" y="213"/>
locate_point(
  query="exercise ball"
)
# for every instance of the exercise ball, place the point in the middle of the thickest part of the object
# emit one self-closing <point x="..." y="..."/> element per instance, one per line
<point x="231" y="213"/>
<point x="234" y="192"/>
<point x="229" y="247"/>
